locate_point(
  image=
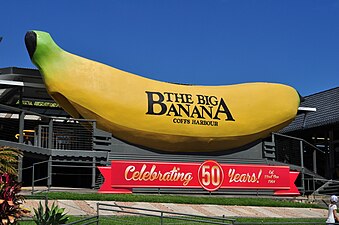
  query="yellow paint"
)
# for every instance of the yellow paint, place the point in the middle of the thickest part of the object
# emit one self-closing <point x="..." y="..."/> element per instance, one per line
<point x="118" y="100"/>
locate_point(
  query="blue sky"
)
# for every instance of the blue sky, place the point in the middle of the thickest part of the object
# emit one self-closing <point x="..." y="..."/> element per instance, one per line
<point x="205" y="42"/>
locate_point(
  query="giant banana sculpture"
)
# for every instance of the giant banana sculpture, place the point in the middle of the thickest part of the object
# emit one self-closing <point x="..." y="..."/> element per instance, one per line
<point x="159" y="115"/>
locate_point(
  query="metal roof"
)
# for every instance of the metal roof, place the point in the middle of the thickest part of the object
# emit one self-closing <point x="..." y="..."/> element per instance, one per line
<point x="327" y="111"/>
<point x="28" y="83"/>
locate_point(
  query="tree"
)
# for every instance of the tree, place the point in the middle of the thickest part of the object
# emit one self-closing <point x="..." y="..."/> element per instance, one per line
<point x="9" y="160"/>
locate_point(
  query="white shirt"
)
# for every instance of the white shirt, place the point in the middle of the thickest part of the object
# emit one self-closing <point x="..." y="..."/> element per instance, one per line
<point x="330" y="217"/>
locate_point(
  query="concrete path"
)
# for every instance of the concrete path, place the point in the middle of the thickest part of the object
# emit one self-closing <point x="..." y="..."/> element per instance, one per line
<point x="83" y="208"/>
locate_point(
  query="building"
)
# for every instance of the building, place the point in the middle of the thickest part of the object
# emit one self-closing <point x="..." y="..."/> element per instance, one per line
<point x="321" y="129"/>
<point x="61" y="151"/>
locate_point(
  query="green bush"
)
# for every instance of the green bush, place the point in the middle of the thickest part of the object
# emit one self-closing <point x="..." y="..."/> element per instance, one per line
<point x="9" y="160"/>
<point x="10" y="200"/>
<point x="50" y="216"/>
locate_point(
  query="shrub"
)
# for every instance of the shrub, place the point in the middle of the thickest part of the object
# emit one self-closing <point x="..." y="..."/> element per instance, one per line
<point x="49" y="216"/>
<point x="10" y="200"/>
<point x="9" y="160"/>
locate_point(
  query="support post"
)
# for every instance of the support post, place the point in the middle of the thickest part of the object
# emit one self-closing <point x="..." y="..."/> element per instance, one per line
<point x="93" y="159"/>
<point x="50" y="133"/>
<point x="21" y="126"/>
<point x="49" y="173"/>
<point x="332" y="155"/>
<point x="33" y="178"/>
<point x="39" y="138"/>
<point x="314" y="161"/>
<point x="21" y="118"/>
<point x="302" y="165"/>
<point x="21" y="140"/>
<point x="98" y="213"/>
<point x="20" y="159"/>
<point x="93" y="172"/>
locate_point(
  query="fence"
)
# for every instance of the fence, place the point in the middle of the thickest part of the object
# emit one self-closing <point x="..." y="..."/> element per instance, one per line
<point x="298" y="152"/>
<point x="323" y="186"/>
<point x="46" y="179"/>
<point x="117" y="214"/>
<point x="77" y="135"/>
<point x="161" y="217"/>
<point x="34" y="180"/>
<point x="45" y="131"/>
<point x="285" y="223"/>
<point x="87" y="220"/>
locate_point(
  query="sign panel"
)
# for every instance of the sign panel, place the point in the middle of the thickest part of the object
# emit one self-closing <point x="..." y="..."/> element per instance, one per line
<point x="210" y="175"/>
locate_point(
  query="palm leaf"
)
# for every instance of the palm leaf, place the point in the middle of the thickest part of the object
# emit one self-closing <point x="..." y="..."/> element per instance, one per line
<point x="9" y="159"/>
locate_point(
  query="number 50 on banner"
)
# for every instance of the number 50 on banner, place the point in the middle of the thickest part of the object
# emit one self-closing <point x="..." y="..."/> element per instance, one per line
<point x="210" y="175"/>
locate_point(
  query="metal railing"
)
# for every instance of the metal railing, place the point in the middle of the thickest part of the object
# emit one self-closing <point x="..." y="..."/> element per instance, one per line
<point x="299" y="152"/>
<point x="57" y="164"/>
<point x="85" y="221"/>
<point x="283" y="223"/>
<point x="48" y="136"/>
<point x="324" y="186"/>
<point x="163" y="216"/>
<point x="43" y="131"/>
<point x="35" y="180"/>
<point x="118" y="214"/>
<point x="77" y="134"/>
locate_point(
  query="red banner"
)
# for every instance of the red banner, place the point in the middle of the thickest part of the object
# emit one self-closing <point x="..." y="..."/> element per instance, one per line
<point x="122" y="176"/>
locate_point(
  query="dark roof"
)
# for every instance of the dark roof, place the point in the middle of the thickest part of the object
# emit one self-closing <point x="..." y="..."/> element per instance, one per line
<point x="327" y="105"/>
<point x="16" y="70"/>
<point x="34" y="94"/>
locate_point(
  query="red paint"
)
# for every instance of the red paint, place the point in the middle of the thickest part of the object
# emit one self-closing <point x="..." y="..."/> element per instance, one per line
<point x="106" y="186"/>
<point x="293" y="191"/>
<point x="209" y="175"/>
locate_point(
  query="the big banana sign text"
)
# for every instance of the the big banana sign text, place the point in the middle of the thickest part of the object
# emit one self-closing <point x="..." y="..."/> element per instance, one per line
<point x="159" y="115"/>
<point x="208" y="110"/>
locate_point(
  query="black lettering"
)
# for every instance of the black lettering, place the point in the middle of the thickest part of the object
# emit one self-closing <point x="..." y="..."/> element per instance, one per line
<point x="179" y="98"/>
<point x="196" y="112"/>
<point x="168" y="96"/>
<point x="183" y="121"/>
<point x="152" y="102"/>
<point x="207" y="102"/>
<point x="201" y="100"/>
<point x="172" y="109"/>
<point x="222" y="108"/>
<point x="213" y="100"/>
<point x="186" y="110"/>
<point x="189" y="98"/>
<point x="208" y="112"/>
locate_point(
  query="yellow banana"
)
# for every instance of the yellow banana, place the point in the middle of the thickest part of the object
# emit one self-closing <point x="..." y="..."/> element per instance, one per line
<point x="159" y="115"/>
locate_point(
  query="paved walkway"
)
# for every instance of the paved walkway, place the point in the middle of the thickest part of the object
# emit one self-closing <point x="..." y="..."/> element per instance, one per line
<point x="82" y="208"/>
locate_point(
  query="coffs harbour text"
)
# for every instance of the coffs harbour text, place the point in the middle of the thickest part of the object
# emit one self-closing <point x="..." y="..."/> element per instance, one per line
<point x="183" y="108"/>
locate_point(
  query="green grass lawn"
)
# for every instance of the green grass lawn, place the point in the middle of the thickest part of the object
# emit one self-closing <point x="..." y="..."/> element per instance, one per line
<point x="255" y="201"/>
<point x="280" y="220"/>
<point x="244" y="201"/>
<point x="115" y="220"/>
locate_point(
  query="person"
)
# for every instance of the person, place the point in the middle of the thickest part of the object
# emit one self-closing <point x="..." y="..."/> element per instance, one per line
<point x="332" y="217"/>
